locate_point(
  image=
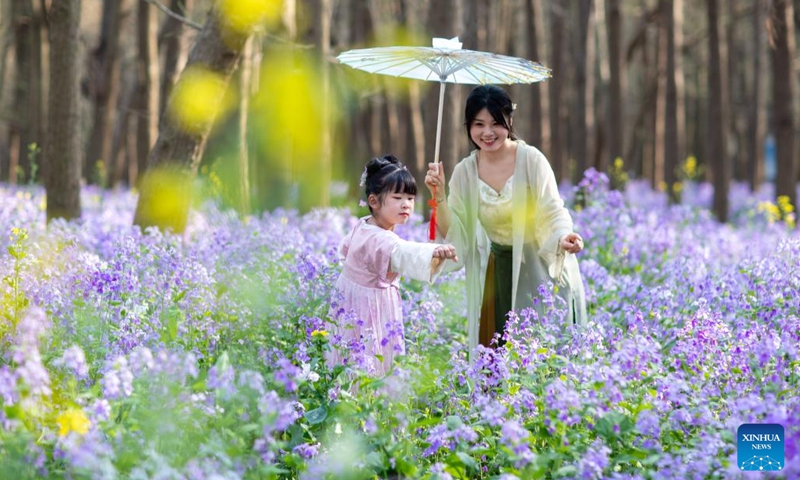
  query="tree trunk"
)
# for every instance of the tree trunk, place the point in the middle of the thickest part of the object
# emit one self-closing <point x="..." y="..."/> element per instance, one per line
<point x="558" y="157"/>
<point x="6" y="44"/>
<point x="616" y="115"/>
<point x="120" y="171"/>
<point x="147" y="68"/>
<point x="584" y="111"/>
<point x="174" y="47"/>
<point x="62" y="151"/>
<point x="245" y="91"/>
<point x="177" y="151"/>
<point x="672" y="134"/>
<point x="27" y="123"/>
<point x="717" y="110"/>
<point x="539" y="118"/>
<point x="103" y="87"/>
<point x="756" y="119"/>
<point x="781" y="29"/>
<point x="600" y="158"/>
<point x="660" y="113"/>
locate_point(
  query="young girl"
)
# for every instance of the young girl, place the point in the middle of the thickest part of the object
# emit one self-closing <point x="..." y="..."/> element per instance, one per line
<point x="374" y="258"/>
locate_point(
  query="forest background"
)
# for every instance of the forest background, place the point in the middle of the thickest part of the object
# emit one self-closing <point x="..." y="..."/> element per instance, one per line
<point x="248" y="94"/>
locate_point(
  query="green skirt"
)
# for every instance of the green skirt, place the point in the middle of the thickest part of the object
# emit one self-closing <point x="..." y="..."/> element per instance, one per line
<point x="496" y="294"/>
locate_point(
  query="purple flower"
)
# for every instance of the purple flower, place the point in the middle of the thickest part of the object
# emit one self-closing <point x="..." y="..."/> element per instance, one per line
<point x="75" y="360"/>
<point x="306" y="450"/>
<point x="594" y="461"/>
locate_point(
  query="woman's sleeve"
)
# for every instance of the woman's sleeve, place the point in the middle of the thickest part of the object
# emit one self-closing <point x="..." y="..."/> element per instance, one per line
<point x="457" y="233"/>
<point x="551" y="218"/>
<point x="415" y="260"/>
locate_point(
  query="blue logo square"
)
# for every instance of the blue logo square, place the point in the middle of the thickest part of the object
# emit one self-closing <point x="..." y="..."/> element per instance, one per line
<point x="760" y="447"/>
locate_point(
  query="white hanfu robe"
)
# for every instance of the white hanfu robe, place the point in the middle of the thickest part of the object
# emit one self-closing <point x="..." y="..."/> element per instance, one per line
<point x="539" y="222"/>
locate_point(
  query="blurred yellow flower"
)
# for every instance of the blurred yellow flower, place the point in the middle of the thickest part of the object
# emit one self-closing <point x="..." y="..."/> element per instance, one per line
<point x="290" y="103"/>
<point x="319" y="333"/>
<point x="244" y="16"/>
<point x="199" y="99"/>
<point x="73" y="420"/>
<point x="784" y="204"/>
<point x="169" y="194"/>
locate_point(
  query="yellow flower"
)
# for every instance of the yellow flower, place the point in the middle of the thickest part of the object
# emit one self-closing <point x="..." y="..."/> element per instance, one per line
<point x="690" y="166"/>
<point x="784" y="204"/>
<point x="200" y="99"/>
<point x="73" y="420"/>
<point x="247" y="15"/>
<point x="319" y="333"/>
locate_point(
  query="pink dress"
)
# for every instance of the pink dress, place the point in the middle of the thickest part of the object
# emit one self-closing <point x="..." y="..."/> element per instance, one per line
<point x="372" y="328"/>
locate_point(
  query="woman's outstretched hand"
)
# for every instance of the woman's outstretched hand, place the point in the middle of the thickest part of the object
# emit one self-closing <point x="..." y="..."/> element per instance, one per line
<point x="572" y="243"/>
<point x="434" y="179"/>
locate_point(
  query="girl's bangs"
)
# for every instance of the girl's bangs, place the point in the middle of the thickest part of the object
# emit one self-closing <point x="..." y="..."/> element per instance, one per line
<point x="402" y="181"/>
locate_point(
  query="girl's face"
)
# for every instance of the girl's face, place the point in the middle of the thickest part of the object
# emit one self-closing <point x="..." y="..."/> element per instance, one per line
<point x="395" y="208"/>
<point x="487" y="134"/>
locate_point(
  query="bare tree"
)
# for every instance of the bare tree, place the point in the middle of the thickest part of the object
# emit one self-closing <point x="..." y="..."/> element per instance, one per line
<point x="180" y="151"/>
<point x="147" y="68"/>
<point x="533" y="48"/>
<point x="558" y="151"/>
<point x="174" y="46"/>
<point x="103" y="88"/>
<point x="243" y="164"/>
<point x="6" y="46"/>
<point x="584" y="111"/>
<point x="673" y="131"/>
<point x="717" y="108"/>
<point x="756" y="118"/>
<point x="27" y="121"/>
<point x="781" y="30"/>
<point x="63" y="148"/>
<point x="616" y="117"/>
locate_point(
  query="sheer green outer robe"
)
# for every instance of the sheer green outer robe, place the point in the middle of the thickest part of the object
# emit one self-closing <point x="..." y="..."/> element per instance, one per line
<point x="538" y="215"/>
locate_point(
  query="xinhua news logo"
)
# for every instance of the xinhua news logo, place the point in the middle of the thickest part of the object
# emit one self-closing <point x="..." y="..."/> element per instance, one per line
<point x="760" y="447"/>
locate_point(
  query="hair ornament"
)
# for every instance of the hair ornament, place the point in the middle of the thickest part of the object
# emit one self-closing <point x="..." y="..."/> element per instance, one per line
<point x="363" y="181"/>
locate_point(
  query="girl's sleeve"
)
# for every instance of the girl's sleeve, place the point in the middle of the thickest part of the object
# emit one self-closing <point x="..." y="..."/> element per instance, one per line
<point x="551" y="218"/>
<point x="415" y="260"/>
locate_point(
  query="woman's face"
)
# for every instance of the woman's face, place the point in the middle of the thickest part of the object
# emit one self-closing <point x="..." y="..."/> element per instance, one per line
<point x="487" y="134"/>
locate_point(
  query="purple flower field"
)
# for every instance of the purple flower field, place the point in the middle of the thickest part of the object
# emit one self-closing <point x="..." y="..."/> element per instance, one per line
<point x="138" y="355"/>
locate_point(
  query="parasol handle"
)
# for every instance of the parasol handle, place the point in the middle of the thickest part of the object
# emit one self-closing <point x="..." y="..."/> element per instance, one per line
<point x="439" y="122"/>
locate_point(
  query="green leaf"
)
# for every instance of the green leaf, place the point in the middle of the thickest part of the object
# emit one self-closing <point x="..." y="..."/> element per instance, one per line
<point x="405" y="467"/>
<point x="316" y="416"/>
<point x="566" y="471"/>
<point x="453" y="422"/>
<point x="375" y="461"/>
<point x="468" y="461"/>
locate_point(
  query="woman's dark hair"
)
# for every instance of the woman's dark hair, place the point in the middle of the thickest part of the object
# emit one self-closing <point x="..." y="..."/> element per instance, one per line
<point x="496" y="101"/>
<point x="387" y="175"/>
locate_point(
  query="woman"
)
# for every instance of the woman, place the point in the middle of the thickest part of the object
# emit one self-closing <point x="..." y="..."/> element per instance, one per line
<point x="506" y="219"/>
